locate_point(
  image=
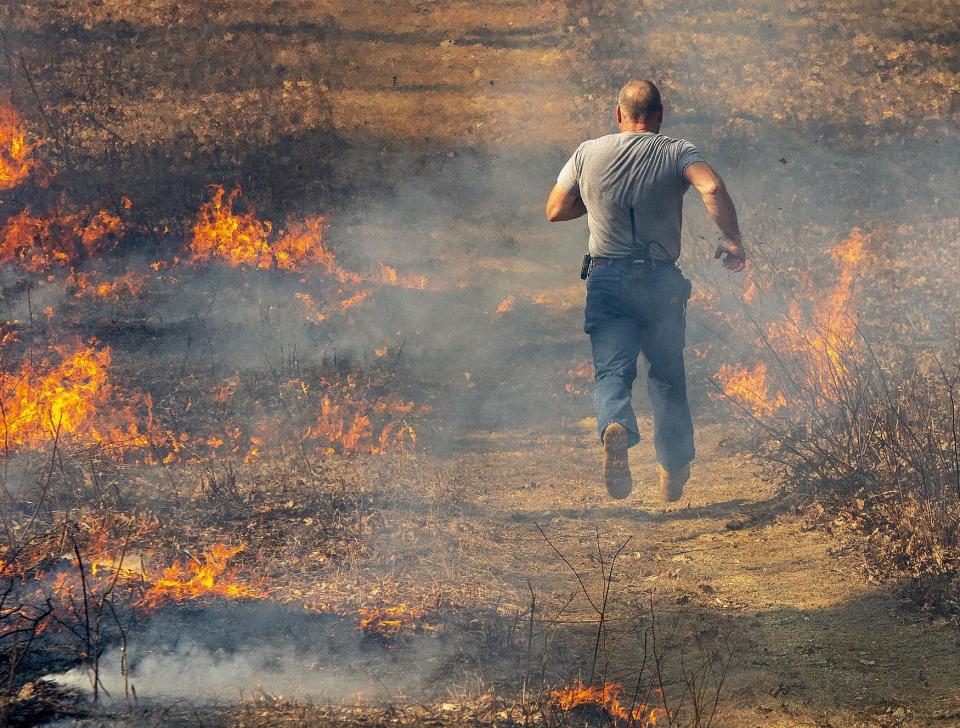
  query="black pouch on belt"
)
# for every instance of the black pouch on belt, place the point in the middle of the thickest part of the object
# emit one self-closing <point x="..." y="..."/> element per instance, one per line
<point x="585" y="268"/>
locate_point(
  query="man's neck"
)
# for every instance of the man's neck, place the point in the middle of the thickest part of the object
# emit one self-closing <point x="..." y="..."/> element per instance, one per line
<point x="637" y="127"/>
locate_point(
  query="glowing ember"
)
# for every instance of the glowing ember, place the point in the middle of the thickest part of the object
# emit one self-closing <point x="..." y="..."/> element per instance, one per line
<point x="752" y="289"/>
<point x="607" y="697"/>
<point x="39" y="244"/>
<point x="578" y="377"/>
<point x="207" y="576"/>
<point x="505" y="305"/>
<point x="15" y="150"/>
<point x="387" y="621"/>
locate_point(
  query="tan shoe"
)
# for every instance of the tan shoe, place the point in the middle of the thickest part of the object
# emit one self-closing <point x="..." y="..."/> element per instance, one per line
<point x="616" y="468"/>
<point x="672" y="482"/>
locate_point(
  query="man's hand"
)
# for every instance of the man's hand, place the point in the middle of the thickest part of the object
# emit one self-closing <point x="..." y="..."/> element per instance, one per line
<point x="733" y="255"/>
<point x="562" y="205"/>
<point x="724" y="214"/>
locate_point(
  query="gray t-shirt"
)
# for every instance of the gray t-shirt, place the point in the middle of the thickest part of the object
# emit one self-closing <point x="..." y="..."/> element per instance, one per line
<point x="636" y="170"/>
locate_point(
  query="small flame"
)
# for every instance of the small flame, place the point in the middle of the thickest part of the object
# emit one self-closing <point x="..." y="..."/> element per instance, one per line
<point x="578" y="377"/>
<point x="390" y="277"/>
<point x="313" y="310"/>
<point x="345" y="425"/>
<point x="505" y="305"/>
<point x="607" y="696"/>
<point x="92" y="285"/>
<point x="388" y="621"/>
<point x="353" y="301"/>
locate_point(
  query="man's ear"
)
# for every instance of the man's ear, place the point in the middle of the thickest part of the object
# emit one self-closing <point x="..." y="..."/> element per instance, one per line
<point x="619" y="115"/>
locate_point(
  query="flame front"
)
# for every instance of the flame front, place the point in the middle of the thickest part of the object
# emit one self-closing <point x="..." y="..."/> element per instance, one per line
<point x="39" y="244"/>
<point x="239" y="240"/>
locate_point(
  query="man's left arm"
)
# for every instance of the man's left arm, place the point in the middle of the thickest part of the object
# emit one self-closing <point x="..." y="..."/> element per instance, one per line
<point x="563" y="205"/>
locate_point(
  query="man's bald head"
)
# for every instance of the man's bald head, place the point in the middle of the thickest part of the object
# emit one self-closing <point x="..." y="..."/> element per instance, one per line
<point x="639" y="101"/>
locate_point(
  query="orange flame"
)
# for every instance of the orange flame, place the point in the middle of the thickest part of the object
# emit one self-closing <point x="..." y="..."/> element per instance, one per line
<point x="44" y="400"/>
<point x="505" y="305"/>
<point x="607" y="696"/>
<point x="15" y="150"/>
<point x="65" y="396"/>
<point x="241" y="240"/>
<point x="38" y="244"/>
<point x="92" y="285"/>
<point x="313" y="311"/>
<point x="824" y="347"/>
<point x="390" y="277"/>
<point x="208" y="576"/>
<point x="344" y="423"/>
<point x="750" y="388"/>
<point x="236" y="239"/>
<point x="354" y="300"/>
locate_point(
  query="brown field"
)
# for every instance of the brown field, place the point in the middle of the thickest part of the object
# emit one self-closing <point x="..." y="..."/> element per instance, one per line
<point x="358" y="485"/>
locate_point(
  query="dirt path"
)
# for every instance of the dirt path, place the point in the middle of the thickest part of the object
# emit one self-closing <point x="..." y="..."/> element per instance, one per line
<point x="813" y="642"/>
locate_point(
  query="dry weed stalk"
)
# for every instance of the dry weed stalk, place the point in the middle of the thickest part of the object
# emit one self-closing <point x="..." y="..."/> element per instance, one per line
<point x="678" y="696"/>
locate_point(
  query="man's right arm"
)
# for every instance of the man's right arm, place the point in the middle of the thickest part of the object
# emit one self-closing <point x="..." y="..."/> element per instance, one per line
<point x="720" y="207"/>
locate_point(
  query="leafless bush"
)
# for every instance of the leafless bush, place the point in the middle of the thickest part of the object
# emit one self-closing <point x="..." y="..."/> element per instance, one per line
<point x="873" y="444"/>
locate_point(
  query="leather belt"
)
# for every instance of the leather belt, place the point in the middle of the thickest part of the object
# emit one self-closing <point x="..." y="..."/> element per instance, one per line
<point x="654" y="262"/>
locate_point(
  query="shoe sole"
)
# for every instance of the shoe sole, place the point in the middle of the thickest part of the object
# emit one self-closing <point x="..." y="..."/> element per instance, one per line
<point x="616" y="467"/>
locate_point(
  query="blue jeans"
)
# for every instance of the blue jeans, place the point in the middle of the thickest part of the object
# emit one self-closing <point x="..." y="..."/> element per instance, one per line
<point x="629" y="313"/>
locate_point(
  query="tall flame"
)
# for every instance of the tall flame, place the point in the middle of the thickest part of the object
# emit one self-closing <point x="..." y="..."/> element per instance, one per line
<point x="823" y="348"/>
<point x="45" y="400"/>
<point x="15" y="150"/>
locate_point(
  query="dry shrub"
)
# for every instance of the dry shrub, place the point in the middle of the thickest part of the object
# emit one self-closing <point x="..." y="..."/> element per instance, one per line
<point x="874" y="446"/>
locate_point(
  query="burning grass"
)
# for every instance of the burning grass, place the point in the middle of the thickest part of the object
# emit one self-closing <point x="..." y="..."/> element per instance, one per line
<point x="871" y="441"/>
<point x="16" y="152"/>
<point x="65" y="395"/>
<point x="607" y="696"/>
